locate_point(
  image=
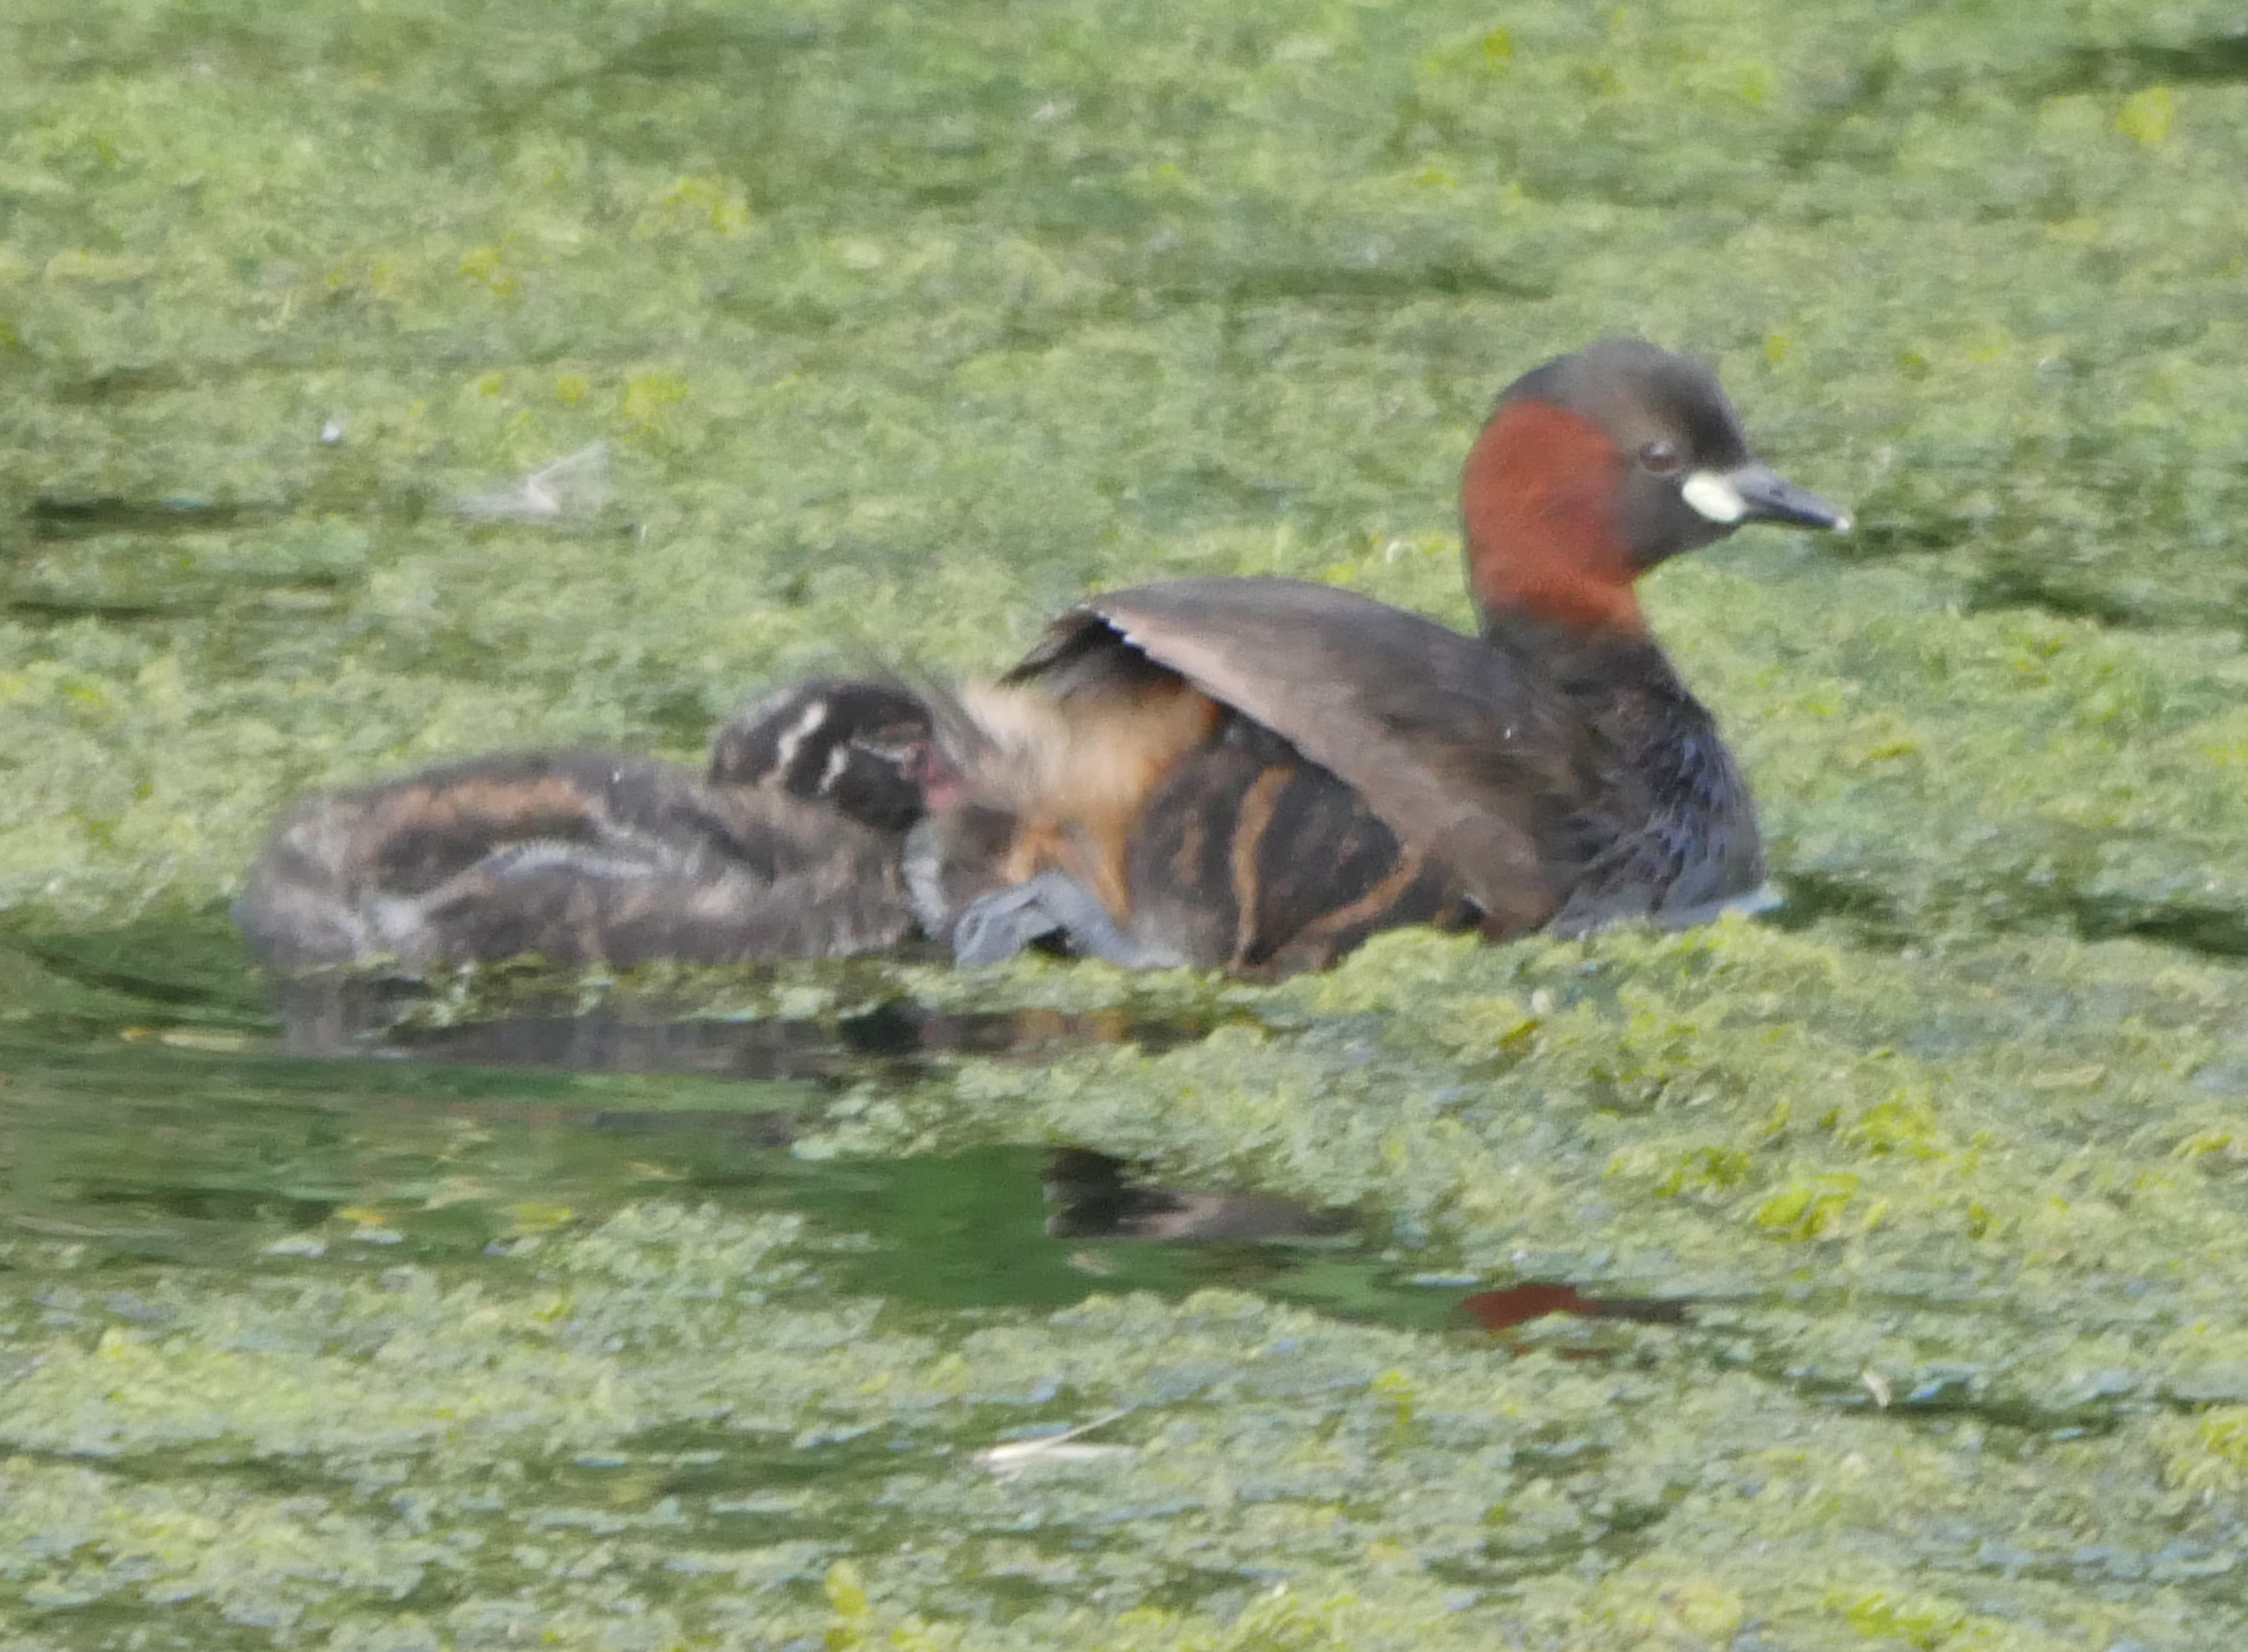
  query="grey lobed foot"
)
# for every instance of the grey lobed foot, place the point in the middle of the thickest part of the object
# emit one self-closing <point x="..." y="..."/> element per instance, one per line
<point x="1000" y="925"/>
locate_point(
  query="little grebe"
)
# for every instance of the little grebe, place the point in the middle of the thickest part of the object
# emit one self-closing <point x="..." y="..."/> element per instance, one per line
<point x="1339" y="766"/>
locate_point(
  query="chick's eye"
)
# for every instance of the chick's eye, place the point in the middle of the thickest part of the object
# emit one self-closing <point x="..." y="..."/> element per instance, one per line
<point x="1659" y="457"/>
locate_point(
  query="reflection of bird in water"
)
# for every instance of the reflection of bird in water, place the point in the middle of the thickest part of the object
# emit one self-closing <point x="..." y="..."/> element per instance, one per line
<point x="1516" y="1305"/>
<point x="790" y="846"/>
<point x="1092" y="1196"/>
<point x="1251" y="774"/>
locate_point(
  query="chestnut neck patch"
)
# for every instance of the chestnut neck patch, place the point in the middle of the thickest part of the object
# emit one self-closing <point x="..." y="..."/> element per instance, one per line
<point x="1539" y="499"/>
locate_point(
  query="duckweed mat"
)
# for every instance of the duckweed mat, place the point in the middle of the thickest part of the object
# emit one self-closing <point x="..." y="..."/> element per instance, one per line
<point x="389" y="381"/>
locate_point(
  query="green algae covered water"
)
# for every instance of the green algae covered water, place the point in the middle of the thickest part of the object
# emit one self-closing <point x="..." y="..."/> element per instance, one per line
<point x="720" y="1310"/>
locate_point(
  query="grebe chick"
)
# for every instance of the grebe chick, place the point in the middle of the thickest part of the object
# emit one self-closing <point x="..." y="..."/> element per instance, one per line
<point x="789" y="847"/>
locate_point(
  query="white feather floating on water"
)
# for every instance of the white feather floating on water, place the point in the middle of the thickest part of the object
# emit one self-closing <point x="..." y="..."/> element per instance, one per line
<point x="575" y="485"/>
<point x="1015" y="1456"/>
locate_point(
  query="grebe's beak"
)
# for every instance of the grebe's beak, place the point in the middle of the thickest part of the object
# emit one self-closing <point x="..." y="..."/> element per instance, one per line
<point x="1758" y="493"/>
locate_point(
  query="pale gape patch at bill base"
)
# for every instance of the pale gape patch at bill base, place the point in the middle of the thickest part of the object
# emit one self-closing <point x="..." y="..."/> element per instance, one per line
<point x="1712" y="493"/>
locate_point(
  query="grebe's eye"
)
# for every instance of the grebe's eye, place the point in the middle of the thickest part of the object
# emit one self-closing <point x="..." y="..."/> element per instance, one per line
<point x="1659" y="457"/>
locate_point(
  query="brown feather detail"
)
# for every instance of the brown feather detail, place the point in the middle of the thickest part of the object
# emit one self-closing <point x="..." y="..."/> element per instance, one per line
<point x="1186" y="859"/>
<point x="1443" y="736"/>
<point x="1036" y="846"/>
<point x="1182" y="860"/>
<point x="577" y="856"/>
<point x="421" y="833"/>
<point x="1372" y="906"/>
<point x="1077" y="773"/>
<point x="1426" y="900"/>
<point x="1250" y="823"/>
<point x="1538" y="496"/>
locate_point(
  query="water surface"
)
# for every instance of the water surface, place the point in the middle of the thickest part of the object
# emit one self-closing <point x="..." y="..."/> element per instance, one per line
<point x="681" y="1310"/>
